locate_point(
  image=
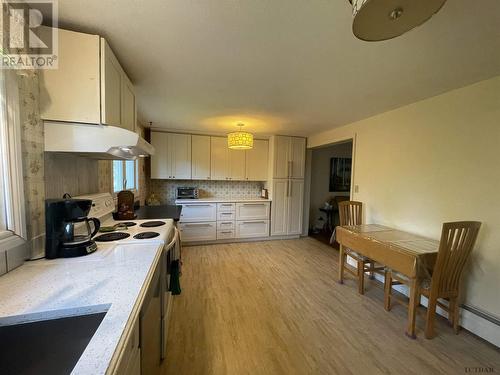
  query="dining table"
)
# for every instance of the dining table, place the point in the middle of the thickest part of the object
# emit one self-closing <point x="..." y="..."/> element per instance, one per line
<point x="409" y="254"/>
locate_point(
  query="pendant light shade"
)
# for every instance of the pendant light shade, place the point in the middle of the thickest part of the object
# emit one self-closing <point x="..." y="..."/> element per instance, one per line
<point x="240" y="140"/>
<point x="376" y="20"/>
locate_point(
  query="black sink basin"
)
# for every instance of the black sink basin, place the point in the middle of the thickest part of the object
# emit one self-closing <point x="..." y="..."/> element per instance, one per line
<point x="46" y="347"/>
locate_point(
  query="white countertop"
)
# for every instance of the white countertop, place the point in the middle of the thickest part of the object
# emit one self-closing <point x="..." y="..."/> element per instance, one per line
<point x="221" y="200"/>
<point x="113" y="278"/>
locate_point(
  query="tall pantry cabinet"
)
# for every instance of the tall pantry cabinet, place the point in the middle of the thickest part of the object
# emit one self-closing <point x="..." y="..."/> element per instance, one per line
<point x="287" y="164"/>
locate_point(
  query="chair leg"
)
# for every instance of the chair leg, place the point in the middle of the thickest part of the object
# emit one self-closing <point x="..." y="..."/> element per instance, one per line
<point x="431" y="314"/>
<point x="372" y="270"/>
<point x="361" y="277"/>
<point x="341" y="264"/>
<point x="451" y="311"/>
<point x="456" y="316"/>
<point x="412" y="307"/>
<point x="387" y="290"/>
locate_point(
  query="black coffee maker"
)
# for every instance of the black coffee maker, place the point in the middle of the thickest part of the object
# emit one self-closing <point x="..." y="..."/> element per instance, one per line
<point x="61" y="218"/>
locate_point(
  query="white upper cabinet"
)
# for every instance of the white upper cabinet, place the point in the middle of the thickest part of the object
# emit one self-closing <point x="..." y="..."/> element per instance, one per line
<point x="200" y="157"/>
<point x="226" y="164"/>
<point x="288" y="157"/>
<point x="172" y="158"/>
<point x="180" y="156"/>
<point x="236" y="164"/>
<point x="72" y="92"/>
<point x="297" y="159"/>
<point x="219" y="158"/>
<point x="111" y="88"/>
<point x="160" y="168"/>
<point x="129" y="105"/>
<point x="257" y="161"/>
<point x="89" y="85"/>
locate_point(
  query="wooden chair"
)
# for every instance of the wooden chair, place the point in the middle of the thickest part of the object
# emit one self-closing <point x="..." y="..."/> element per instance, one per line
<point x="456" y="244"/>
<point x="350" y="213"/>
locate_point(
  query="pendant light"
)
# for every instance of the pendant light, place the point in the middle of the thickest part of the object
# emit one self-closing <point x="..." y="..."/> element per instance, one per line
<point x="240" y="140"/>
<point x="376" y="20"/>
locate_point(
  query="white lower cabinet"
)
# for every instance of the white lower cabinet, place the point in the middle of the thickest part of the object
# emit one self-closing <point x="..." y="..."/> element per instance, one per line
<point x="130" y="362"/>
<point x="252" y="211"/>
<point x="224" y="225"/>
<point x="198" y="212"/>
<point x="224" y="220"/>
<point x="225" y="234"/>
<point x="252" y="229"/>
<point x="287" y="211"/>
<point x="198" y="231"/>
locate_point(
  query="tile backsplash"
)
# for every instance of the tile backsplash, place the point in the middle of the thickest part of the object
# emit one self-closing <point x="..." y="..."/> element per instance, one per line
<point x="166" y="190"/>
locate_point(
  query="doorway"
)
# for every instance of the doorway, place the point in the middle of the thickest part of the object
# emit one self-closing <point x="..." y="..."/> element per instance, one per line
<point x="331" y="173"/>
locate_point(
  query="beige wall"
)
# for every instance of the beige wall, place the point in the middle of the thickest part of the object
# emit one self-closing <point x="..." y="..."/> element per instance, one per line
<point x="434" y="161"/>
<point x="320" y="176"/>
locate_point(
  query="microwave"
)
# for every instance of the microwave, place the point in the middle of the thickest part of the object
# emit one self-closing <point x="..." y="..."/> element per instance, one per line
<point x="187" y="193"/>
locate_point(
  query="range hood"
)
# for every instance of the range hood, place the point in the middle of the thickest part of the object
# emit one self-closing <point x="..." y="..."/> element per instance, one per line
<point x="95" y="141"/>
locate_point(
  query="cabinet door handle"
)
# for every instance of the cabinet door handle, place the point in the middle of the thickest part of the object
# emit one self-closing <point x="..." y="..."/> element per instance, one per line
<point x="227" y="232"/>
<point x="198" y="205"/>
<point x="225" y="213"/>
<point x="254" y="222"/>
<point x="226" y="223"/>
<point x="288" y="188"/>
<point x="198" y="225"/>
<point x="254" y="204"/>
<point x="290" y="168"/>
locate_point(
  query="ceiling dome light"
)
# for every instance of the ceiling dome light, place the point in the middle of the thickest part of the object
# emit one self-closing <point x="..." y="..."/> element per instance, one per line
<point x="376" y="20"/>
<point x="240" y="140"/>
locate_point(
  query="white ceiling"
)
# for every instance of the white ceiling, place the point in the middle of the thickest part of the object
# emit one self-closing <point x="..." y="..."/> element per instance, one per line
<point x="283" y="66"/>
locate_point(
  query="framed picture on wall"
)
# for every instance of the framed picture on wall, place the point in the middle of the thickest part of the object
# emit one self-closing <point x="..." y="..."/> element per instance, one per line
<point x="340" y="174"/>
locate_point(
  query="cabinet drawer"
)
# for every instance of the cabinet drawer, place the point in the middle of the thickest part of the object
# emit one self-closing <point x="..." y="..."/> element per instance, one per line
<point x="225" y="233"/>
<point x="198" y="231"/>
<point x="198" y="212"/>
<point x="225" y="216"/>
<point x="225" y="207"/>
<point x="252" y="211"/>
<point x="225" y="224"/>
<point x="249" y="229"/>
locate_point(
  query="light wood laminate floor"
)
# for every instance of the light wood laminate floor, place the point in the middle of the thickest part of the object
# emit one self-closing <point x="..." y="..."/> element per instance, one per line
<point x="275" y="308"/>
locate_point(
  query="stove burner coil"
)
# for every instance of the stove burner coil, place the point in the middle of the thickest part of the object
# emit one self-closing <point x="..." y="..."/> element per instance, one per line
<point x="113" y="236"/>
<point x="146" y="235"/>
<point x="150" y="224"/>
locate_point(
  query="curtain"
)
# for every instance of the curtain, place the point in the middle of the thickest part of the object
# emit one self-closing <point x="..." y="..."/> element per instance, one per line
<point x="12" y="219"/>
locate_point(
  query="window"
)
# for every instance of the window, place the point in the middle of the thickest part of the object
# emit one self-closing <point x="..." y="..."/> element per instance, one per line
<point x="124" y="175"/>
<point x="12" y="220"/>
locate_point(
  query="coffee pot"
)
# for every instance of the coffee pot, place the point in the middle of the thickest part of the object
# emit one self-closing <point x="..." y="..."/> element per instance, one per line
<point x="68" y="232"/>
<point x="85" y="233"/>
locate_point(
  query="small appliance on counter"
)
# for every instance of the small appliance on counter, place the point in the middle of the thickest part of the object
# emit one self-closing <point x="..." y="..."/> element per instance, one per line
<point x="125" y="205"/>
<point x="68" y="232"/>
<point x="187" y="193"/>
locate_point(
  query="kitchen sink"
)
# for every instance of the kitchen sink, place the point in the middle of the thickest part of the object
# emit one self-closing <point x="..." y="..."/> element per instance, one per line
<point x="48" y="346"/>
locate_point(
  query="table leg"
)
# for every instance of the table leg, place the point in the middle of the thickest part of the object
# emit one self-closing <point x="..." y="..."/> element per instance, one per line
<point x="412" y="308"/>
<point x="341" y="264"/>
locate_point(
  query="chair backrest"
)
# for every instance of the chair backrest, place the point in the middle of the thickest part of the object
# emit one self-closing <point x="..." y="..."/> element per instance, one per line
<point x="350" y="213"/>
<point x="457" y="242"/>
